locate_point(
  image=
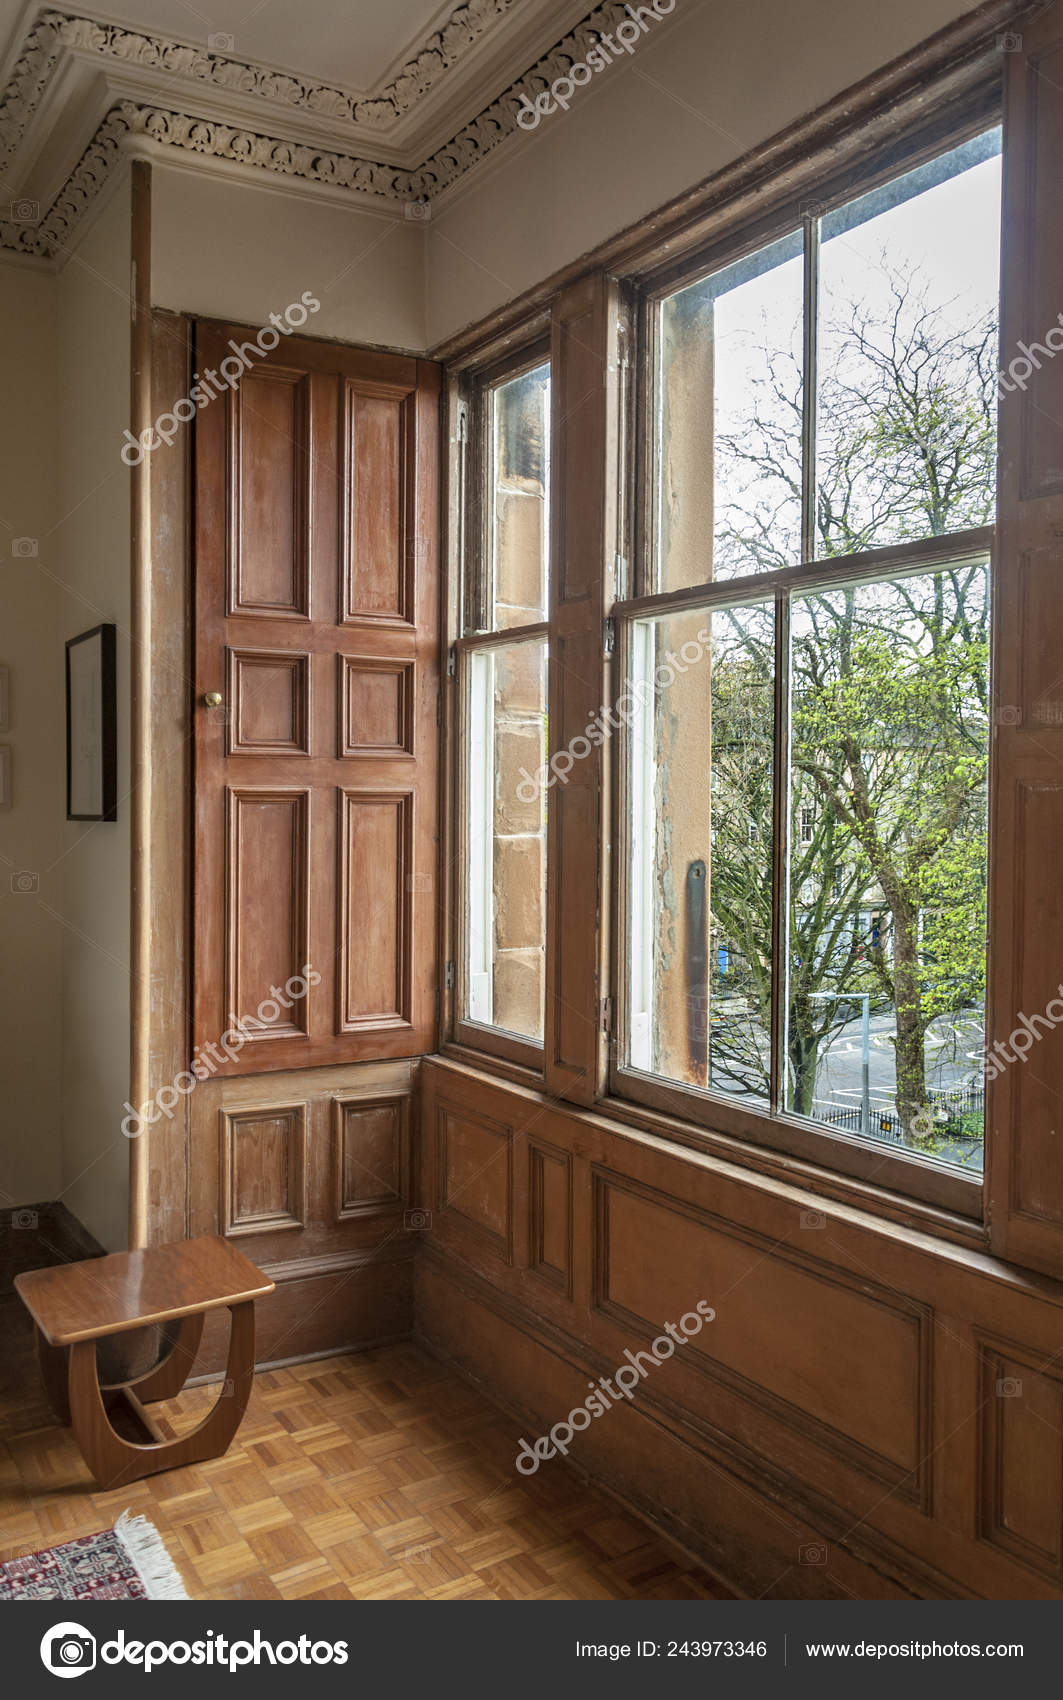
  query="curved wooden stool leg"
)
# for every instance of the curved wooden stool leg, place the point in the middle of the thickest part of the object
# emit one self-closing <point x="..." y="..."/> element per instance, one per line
<point x="54" y="1369"/>
<point x="167" y="1379"/>
<point x="114" y="1461"/>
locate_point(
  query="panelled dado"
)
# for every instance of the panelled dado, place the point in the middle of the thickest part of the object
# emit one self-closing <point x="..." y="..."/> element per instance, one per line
<point x="310" y="1169"/>
<point x="849" y="1382"/>
<point x="650" y="1252"/>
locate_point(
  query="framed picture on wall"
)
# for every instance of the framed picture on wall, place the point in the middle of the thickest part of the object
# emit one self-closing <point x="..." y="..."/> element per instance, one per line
<point x="91" y="726"/>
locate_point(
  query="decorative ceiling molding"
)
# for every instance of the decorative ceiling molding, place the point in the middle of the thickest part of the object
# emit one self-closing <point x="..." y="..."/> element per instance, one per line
<point x="213" y="138"/>
<point x="380" y="110"/>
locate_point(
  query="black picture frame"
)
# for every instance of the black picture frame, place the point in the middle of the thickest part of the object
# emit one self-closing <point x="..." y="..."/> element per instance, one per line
<point x="92" y="725"/>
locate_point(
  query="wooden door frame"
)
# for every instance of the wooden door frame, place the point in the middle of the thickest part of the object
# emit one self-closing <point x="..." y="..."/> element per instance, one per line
<point x="162" y="781"/>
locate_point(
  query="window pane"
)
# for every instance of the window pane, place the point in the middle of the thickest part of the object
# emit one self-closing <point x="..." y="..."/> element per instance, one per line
<point x="887" y="917"/>
<point x="518" y="498"/>
<point x="907" y="364"/>
<point x="729" y="404"/>
<point x="700" y="711"/>
<point x="505" y="838"/>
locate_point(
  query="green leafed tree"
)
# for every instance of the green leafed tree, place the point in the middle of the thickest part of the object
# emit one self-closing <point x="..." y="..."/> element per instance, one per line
<point x="889" y="693"/>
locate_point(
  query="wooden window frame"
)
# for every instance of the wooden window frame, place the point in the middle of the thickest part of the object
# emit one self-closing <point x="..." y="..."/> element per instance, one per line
<point x="938" y="1185"/>
<point x="947" y="90"/>
<point x="473" y="566"/>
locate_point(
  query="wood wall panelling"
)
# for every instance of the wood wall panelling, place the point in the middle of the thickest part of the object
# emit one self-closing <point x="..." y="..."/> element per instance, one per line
<point x="550" y="1240"/>
<point x="1021" y="1435"/>
<point x="371" y="1154"/>
<point x="841" y="1388"/>
<point x="736" y="1521"/>
<point x="263" y="1169"/>
<point x="474" y="1176"/>
<point x="363" y="1302"/>
<point x="314" y="1165"/>
<point x="655" y="1258"/>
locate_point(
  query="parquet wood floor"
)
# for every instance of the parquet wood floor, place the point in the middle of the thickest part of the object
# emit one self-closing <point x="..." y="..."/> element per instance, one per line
<point x="380" y="1475"/>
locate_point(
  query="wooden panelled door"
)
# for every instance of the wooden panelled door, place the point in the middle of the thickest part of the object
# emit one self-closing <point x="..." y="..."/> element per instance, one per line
<point x="316" y="677"/>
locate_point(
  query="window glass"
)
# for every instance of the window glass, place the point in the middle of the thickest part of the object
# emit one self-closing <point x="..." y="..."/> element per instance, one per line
<point x="700" y="712"/>
<point x="518" y="499"/>
<point x="505" y="837"/>
<point x="907" y="355"/>
<point x="885" y="1002"/>
<point x="729" y="408"/>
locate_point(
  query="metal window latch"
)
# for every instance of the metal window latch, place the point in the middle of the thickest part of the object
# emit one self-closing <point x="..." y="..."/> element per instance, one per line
<point x="609" y="636"/>
<point x="607" y="1015"/>
<point x="452" y="661"/>
<point x="449" y="976"/>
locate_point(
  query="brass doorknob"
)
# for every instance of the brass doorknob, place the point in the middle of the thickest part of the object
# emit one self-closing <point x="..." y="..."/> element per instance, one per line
<point x="212" y="699"/>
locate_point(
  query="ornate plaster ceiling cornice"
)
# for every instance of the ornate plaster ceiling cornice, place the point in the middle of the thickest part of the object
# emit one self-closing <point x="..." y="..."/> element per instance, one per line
<point x="119" y="86"/>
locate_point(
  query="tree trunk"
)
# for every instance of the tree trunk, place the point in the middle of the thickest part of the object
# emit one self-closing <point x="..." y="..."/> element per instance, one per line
<point x="910" y="1044"/>
<point x="803" y="1055"/>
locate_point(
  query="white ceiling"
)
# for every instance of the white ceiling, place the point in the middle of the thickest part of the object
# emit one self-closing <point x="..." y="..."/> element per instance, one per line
<point x="354" y="43"/>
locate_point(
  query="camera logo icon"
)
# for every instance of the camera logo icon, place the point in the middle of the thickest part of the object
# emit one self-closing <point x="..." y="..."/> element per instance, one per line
<point x="68" y="1650"/>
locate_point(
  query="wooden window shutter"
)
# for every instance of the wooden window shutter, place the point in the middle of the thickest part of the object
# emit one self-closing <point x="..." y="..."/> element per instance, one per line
<point x="1024" y="1098"/>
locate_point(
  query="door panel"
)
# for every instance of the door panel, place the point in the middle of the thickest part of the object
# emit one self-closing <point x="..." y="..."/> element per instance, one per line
<point x="267" y="429"/>
<point x="376" y="897"/>
<point x="314" y="947"/>
<point x="317" y="616"/>
<point x="376" y="432"/>
<point x="267" y="858"/>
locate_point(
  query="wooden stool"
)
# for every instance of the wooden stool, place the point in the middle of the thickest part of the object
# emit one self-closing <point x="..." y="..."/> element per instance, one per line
<point x="77" y="1306"/>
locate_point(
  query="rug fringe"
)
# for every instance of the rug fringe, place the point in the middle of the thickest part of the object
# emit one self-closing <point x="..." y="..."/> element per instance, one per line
<point x="155" y="1567"/>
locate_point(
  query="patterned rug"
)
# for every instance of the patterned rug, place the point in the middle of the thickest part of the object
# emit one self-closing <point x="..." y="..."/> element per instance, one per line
<point x="128" y="1562"/>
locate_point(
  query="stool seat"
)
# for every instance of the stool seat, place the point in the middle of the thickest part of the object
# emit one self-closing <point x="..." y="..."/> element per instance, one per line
<point x="129" y="1289"/>
<point x="77" y="1308"/>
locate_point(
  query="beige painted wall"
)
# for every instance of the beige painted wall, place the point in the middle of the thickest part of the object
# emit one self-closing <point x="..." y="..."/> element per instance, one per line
<point x="243" y="251"/>
<point x="92" y="558"/>
<point x="31" y="833"/>
<point x="705" y="85"/>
